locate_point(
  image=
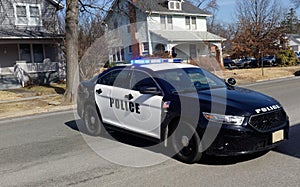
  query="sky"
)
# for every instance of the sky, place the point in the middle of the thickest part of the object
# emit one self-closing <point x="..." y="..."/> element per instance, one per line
<point x="226" y="13"/>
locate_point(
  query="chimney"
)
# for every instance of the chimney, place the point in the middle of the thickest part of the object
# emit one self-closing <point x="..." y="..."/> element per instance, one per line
<point x="136" y="51"/>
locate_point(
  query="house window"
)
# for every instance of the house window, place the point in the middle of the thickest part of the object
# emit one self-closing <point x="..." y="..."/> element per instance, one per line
<point x="191" y="23"/>
<point x="27" y="14"/>
<point x="187" y="23"/>
<point x="32" y="51"/>
<point x="163" y="22"/>
<point x="172" y="5"/>
<point x="175" y="5"/>
<point x="38" y="53"/>
<point x="170" y="22"/>
<point x="166" y="22"/>
<point x="130" y="49"/>
<point x="117" y="54"/>
<point x="194" y="23"/>
<point x="25" y="52"/>
<point x="145" y="48"/>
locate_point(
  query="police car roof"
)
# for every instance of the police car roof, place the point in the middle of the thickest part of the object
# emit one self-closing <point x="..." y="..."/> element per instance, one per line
<point x="164" y="66"/>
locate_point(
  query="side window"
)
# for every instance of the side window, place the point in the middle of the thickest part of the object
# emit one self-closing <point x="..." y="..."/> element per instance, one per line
<point x="140" y="79"/>
<point x="117" y="78"/>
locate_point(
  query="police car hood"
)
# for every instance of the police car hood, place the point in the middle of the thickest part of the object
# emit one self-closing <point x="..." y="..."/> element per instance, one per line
<point x="236" y="101"/>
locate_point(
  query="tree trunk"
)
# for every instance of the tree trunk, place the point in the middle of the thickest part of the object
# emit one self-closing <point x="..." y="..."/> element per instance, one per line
<point x="71" y="48"/>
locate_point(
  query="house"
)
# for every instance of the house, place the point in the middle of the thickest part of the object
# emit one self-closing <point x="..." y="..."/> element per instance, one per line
<point x="294" y="42"/>
<point x="29" y="37"/>
<point x="174" y="28"/>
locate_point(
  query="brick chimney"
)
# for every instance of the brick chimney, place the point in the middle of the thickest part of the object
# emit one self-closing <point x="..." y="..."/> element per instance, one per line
<point x="136" y="50"/>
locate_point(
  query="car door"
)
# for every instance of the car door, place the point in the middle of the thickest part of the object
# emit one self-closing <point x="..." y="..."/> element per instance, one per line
<point x="109" y="95"/>
<point x="146" y="116"/>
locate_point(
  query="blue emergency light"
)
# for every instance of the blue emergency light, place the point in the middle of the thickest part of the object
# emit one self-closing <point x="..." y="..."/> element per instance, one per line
<point x="156" y="60"/>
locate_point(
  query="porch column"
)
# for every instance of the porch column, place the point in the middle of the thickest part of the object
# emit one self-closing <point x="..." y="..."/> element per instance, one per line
<point x="219" y="45"/>
<point x="169" y="47"/>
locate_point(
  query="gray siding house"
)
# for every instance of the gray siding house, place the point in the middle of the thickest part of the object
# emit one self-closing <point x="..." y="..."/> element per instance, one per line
<point x="29" y="36"/>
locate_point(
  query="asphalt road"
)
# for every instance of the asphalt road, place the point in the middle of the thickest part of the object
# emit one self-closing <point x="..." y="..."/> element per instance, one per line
<point x="48" y="150"/>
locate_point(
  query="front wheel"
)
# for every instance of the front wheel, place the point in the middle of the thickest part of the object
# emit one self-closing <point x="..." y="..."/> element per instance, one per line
<point x="93" y="124"/>
<point x="186" y="143"/>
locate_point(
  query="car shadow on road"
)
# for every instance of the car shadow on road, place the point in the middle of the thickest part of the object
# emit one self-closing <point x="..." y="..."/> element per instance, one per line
<point x="290" y="147"/>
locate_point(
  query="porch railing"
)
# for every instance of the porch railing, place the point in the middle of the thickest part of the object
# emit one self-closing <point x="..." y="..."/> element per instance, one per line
<point x="46" y="66"/>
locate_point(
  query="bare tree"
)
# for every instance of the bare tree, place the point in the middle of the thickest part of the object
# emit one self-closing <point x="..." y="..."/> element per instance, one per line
<point x="210" y="6"/>
<point x="258" y="27"/>
<point x="71" y="47"/>
<point x="74" y="8"/>
<point x="296" y="3"/>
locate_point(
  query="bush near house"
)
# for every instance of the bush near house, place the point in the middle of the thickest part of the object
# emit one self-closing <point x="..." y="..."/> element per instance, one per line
<point x="287" y="58"/>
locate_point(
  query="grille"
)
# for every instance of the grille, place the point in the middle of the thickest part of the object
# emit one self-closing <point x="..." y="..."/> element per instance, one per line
<point x="268" y="121"/>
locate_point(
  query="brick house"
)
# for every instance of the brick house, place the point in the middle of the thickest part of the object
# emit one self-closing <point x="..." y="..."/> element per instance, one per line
<point x="29" y="35"/>
<point x="146" y="27"/>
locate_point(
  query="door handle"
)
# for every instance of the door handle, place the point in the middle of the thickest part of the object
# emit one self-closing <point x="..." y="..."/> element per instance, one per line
<point x="129" y="97"/>
<point x="99" y="91"/>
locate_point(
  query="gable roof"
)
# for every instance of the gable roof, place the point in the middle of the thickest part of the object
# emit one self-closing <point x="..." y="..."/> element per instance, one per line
<point x="161" y="6"/>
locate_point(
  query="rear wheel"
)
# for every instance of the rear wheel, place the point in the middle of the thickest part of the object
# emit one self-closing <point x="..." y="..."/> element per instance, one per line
<point x="93" y="124"/>
<point x="186" y="143"/>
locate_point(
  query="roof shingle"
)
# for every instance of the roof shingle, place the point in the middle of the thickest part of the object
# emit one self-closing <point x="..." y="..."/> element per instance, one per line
<point x="162" y="6"/>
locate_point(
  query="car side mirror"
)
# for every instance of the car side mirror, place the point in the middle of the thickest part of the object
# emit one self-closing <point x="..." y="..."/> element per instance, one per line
<point x="231" y="81"/>
<point x="150" y="90"/>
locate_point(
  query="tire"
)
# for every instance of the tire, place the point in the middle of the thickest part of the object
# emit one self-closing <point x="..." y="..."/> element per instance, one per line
<point x="185" y="141"/>
<point x="93" y="124"/>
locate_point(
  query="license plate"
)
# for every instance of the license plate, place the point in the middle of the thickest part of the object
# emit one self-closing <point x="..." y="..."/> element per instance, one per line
<point x="277" y="136"/>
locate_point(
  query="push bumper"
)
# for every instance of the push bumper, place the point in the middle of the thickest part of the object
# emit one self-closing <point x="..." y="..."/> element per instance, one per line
<point x="231" y="142"/>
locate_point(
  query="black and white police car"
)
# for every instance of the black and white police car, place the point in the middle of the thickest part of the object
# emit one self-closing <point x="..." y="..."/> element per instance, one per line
<point x="180" y="105"/>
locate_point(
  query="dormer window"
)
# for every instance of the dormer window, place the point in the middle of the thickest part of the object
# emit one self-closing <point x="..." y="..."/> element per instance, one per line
<point x="27" y="14"/>
<point x="175" y="5"/>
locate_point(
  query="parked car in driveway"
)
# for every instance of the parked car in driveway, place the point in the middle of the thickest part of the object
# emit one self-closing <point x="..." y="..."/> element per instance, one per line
<point x="297" y="53"/>
<point x="269" y="60"/>
<point x="247" y="63"/>
<point x="228" y="63"/>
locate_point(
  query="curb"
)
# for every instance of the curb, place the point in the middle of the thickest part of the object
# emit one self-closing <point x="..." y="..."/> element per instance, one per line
<point x="39" y="112"/>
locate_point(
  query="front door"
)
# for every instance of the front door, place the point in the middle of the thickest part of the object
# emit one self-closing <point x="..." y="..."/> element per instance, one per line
<point x="109" y="96"/>
<point x="146" y="119"/>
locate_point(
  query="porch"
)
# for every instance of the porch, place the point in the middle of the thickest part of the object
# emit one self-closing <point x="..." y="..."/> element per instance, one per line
<point x="187" y="45"/>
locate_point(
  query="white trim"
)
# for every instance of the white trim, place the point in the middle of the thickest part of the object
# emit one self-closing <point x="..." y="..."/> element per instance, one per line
<point x="178" y="13"/>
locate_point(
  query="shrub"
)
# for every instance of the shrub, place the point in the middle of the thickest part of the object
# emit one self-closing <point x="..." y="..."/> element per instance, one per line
<point x="287" y="58"/>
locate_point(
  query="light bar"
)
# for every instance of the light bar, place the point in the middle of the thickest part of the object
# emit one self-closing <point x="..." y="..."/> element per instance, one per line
<point x="155" y="61"/>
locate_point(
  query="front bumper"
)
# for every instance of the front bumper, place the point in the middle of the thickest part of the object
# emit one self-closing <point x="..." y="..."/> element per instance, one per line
<point x="231" y="142"/>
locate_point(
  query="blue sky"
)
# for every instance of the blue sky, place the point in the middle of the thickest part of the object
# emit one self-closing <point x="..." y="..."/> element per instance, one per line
<point x="226" y="13"/>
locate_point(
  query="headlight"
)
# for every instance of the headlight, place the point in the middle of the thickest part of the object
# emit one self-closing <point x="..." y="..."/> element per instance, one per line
<point x="224" y="119"/>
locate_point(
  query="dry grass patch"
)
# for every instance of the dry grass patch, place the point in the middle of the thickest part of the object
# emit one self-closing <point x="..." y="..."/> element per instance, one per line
<point x="32" y="91"/>
<point x="253" y="75"/>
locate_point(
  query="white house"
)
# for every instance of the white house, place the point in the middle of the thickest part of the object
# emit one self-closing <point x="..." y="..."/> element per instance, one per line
<point x="294" y="41"/>
<point x="137" y="28"/>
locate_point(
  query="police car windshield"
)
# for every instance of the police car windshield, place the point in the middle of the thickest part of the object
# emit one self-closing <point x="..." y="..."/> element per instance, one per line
<point x="189" y="80"/>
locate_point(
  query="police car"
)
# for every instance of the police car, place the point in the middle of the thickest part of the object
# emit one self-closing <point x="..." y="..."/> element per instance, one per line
<point x="185" y="108"/>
